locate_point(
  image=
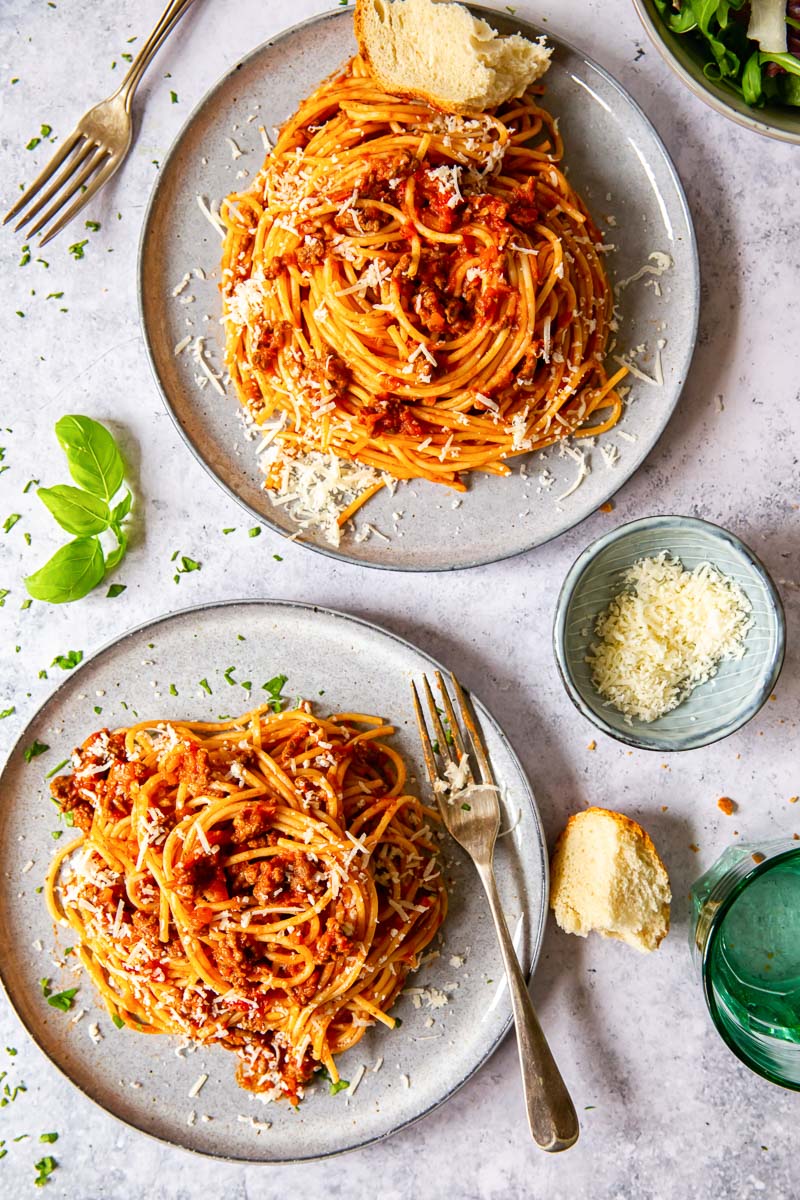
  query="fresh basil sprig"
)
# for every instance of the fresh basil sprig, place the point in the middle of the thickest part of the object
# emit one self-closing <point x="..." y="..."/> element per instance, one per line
<point x="96" y="466"/>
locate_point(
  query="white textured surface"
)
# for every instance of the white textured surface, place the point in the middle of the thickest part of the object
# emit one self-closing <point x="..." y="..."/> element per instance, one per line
<point x="674" y="1114"/>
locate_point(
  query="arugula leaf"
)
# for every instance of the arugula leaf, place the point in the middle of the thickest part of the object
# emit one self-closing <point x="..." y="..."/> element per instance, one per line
<point x="67" y="661"/>
<point x="93" y="459"/>
<point x="752" y="88"/>
<point x="72" y="572"/>
<point x="75" y="510"/>
<point x="34" y="750"/>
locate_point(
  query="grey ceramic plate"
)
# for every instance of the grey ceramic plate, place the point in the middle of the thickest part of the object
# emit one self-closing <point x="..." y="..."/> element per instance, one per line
<point x="615" y="159"/>
<point x="360" y="668"/>
<point x="716" y="708"/>
<point x="686" y="57"/>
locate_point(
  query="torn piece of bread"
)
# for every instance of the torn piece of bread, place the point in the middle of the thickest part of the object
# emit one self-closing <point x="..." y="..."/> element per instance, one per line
<point x="607" y="876"/>
<point x="438" y="52"/>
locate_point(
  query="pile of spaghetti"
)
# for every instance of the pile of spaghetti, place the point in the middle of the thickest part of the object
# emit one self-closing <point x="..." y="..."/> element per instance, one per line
<point x="417" y="291"/>
<point x="264" y="884"/>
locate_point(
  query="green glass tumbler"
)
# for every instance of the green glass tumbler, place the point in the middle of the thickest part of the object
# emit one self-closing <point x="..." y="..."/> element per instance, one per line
<point x="745" y="939"/>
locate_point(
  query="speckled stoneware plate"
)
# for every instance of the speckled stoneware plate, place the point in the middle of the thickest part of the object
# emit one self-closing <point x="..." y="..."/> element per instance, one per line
<point x="714" y="709"/>
<point x="140" y="1079"/>
<point x="614" y="158"/>
<point x="687" y="58"/>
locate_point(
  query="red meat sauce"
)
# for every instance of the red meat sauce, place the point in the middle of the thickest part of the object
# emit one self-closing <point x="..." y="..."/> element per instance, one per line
<point x="287" y="877"/>
<point x="437" y="298"/>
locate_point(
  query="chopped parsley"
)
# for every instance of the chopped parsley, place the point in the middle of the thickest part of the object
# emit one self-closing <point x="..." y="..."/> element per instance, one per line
<point x="204" y="684"/>
<point x="45" y="1166"/>
<point x="64" y="762"/>
<point x="278" y="557"/>
<point x="3" y="593"/>
<point x="467" y="807"/>
<point x="63" y="1001"/>
<point x="93" y="226"/>
<point x="34" y="750"/>
<point x="255" y="531"/>
<point x="76" y="249"/>
<point x="230" y="529"/>
<point x="173" y="97"/>
<point x="273" y="687"/>
<point x="227" y="675"/>
<point x="48" y="1137"/>
<point x="342" y="1083"/>
<point x="26" y="604"/>
<point x="186" y="565"/>
<point x="115" y="590"/>
<point x="118" y="1021"/>
<point x="67" y="661"/>
<point x="11" y="521"/>
<point x="26" y="256"/>
<point x="173" y="691"/>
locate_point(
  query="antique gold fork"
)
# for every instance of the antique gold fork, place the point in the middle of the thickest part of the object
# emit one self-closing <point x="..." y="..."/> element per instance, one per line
<point x="472" y="817"/>
<point x="97" y="146"/>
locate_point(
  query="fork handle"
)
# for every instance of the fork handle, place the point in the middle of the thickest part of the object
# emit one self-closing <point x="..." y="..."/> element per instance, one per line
<point x="551" y="1113"/>
<point x="166" y="23"/>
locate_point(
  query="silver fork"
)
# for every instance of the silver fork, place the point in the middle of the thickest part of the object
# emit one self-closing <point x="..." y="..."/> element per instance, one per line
<point x="474" y="825"/>
<point x="97" y="146"/>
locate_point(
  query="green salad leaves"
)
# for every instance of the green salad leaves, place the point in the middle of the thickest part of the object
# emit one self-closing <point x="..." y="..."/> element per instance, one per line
<point x="719" y="29"/>
<point x="87" y="510"/>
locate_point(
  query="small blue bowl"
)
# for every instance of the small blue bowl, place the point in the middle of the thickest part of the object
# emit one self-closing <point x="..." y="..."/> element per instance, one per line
<point x="714" y="709"/>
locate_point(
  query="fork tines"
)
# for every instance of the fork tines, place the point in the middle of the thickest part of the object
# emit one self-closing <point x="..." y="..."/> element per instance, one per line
<point x="83" y="157"/>
<point x="448" y="745"/>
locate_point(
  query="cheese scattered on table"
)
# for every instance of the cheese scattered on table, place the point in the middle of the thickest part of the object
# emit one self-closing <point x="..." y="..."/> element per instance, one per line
<point x="666" y="632"/>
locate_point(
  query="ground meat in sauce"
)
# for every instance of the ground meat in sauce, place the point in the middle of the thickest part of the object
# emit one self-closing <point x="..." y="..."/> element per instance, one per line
<point x="254" y="819"/>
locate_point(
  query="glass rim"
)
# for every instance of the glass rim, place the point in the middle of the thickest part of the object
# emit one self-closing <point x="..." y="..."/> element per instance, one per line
<point x="715" y="924"/>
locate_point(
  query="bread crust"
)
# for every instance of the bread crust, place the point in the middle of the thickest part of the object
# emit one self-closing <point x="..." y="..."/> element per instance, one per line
<point x="361" y="19"/>
<point x="360" y="30"/>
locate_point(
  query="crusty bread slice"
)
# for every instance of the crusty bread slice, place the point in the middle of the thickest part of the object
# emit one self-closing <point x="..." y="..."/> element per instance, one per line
<point x="607" y="876"/>
<point x="440" y="53"/>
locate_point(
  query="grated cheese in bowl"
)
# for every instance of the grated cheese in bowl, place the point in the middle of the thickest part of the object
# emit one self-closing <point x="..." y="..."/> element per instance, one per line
<point x="665" y="633"/>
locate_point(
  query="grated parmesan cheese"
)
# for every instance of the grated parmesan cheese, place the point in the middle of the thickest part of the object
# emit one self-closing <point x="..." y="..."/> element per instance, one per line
<point x="666" y="632"/>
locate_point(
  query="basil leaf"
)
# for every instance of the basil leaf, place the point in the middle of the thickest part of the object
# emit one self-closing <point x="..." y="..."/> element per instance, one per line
<point x="72" y="572"/>
<point x="75" y="510"/>
<point x="120" y="512"/>
<point x="94" y="460"/>
<point x="115" y="557"/>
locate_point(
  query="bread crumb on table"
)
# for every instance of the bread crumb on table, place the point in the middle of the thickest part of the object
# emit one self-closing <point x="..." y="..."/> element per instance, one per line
<point x="593" y="746"/>
<point x="607" y="507"/>
<point x="694" y="849"/>
<point x="726" y="805"/>
<point x="794" y="799"/>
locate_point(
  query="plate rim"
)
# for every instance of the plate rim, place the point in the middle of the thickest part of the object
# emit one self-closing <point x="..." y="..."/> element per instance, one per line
<point x="336" y="553"/>
<point x="572" y="578"/>
<point x="537" y="933"/>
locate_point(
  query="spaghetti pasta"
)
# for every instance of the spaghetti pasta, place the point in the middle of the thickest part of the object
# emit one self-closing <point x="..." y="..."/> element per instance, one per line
<point x="419" y="291"/>
<point x="264" y="884"/>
